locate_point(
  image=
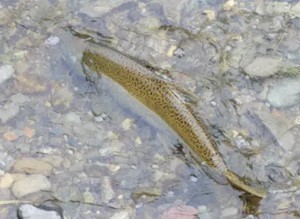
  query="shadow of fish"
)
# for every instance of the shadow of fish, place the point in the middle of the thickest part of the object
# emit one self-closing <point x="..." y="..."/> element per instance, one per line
<point x="165" y="99"/>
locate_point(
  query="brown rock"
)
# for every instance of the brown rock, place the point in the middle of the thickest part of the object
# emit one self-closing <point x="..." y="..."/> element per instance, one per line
<point x="28" y="132"/>
<point x="32" y="165"/>
<point x="10" y="136"/>
<point x="29" y="83"/>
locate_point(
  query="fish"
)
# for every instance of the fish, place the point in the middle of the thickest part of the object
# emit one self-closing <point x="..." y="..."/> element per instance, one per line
<point x="164" y="98"/>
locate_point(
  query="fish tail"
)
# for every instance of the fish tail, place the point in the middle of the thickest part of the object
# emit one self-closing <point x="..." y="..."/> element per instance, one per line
<point x="239" y="183"/>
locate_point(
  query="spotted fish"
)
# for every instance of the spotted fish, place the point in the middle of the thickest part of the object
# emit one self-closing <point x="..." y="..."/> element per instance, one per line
<point x="164" y="98"/>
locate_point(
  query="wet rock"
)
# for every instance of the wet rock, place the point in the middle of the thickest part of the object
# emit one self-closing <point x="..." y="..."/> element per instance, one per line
<point x="8" y="111"/>
<point x="120" y="215"/>
<point x="285" y="93"/>
<point x="107" y="192"/>
<point x="172" y="10"/>
<point x="127" y="124"/>
<point x="146" y="194"/>
<point x="204" y="212"/>
<point x="180" y="211"/>
<point x="32" y="212"/>
<point x="19" y="98"/>
<point x="263" y="66"/>
<point x="32" y="165"/>
<point x="96" y="9"/>
<point x="295" y="10"/>
<point x="61" y="98"/>
<point x="6" y="72"/>
<point x="30" y="83"/>
<point x="229" y="5"/>
<point x="30" y="184"/>
<point x="28" y="132"/>
<point x="10" y="136"/>
<point x="229" y="212"/>
<point x="6" y="181"/>
<point x="52" y="41"/>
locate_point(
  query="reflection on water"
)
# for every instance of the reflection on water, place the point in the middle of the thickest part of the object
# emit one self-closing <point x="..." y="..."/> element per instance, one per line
<point x="94" y="148"/>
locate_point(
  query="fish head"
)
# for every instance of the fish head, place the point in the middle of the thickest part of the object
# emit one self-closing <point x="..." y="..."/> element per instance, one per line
<point x="89" y="59"/>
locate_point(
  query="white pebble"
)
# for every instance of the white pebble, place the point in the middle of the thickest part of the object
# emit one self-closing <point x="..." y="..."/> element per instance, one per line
<point x="52" y="41"/>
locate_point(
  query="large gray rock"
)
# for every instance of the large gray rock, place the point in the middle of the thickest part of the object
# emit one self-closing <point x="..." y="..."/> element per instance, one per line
<point x="32" y="212"/>
<point x="263" y="66"/>
<point x="286" y="93"/>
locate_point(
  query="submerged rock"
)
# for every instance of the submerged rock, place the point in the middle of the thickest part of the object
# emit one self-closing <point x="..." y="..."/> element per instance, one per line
<point x="30" y="184"/>
<point x="286" y="93"/>
<point x="263" y="66"/>
<point x="32" y="212"/>
<point x="6" y="72"/>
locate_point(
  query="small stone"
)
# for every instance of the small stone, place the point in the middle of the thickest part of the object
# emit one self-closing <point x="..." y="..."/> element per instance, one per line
<point x="286" y="93"/>
<point x="203" y="212"/>
<point x="32" y="212"/>
<point x="30" y="83"/>
<point x="61" y="98"/>
<point x="10" y="136"/>
<point x="6" y="72"/>
<point x="120" y="215"/>
<point x="28" y="132"/>
<point x="194" y="178"/>
<point x="127" y="124"/>
<point x="229" y="5"/>
<point x="88" y="197"/>
<point x="210" y="14"/>
<point x="32" y="165"/>
<point x="297" y="120"/>
<point x="107" y="191"/>
<point x="171" y="50"/>
<point x="229" y="212"/>
<point x="8" y="111"/>
<point x="138" y="141"/>
<point x="19" y="98"/>
<point x="30" y="184"/>
<point x="52" y="41"/>
<point x="180" y="211"/>
<point x="6" y="181"/>
<point x="263" y="66"/>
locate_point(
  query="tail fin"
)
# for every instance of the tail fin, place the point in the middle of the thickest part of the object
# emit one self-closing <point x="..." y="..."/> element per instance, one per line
<point x="238" y="182"/>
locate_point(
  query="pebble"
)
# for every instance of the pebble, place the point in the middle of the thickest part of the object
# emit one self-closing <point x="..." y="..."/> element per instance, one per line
<point x="32" y="212"/>
<point x="120" y="215"/>
<point x="210" y="14"/>
<point x="6" y="181"/>
<point x="286" y="93"/>
<point x="229" y="212"/>
<point x="10" y="136"/>
<point x="127" y="124"/>
<point x="229" y="5"/>
<point x="263" y="66"/>
<point x="8" y="111"/>
<point x="28" y="132"/>
<point x="6" y="72"/>
<point x="52" y="41"/>
<point x="32" y="165"/>
<point x="30" y="184"/>
<point x="107" y="192"/>
<point x="138" y="141"/>
<point x="19" y="98"/>
<point x="31" y="83"/>
<point x="203" y="212"/>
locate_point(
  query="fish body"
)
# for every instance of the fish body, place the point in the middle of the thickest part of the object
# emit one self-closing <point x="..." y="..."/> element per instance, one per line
<point x="163" y="98"/>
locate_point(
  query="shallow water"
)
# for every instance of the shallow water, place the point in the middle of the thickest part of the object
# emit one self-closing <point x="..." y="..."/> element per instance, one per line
<point x="108" y="156"/>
